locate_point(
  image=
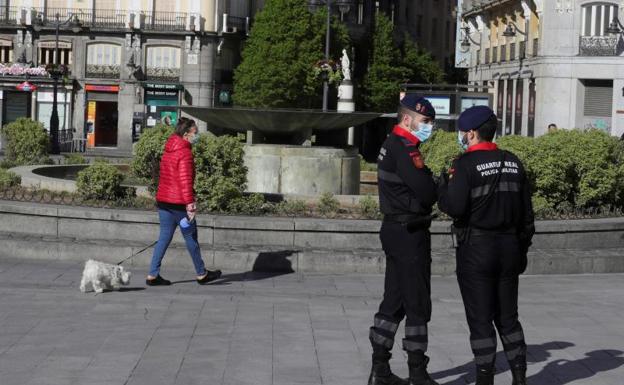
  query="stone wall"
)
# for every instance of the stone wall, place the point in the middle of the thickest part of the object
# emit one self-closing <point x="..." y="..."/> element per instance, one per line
<point x="53" y="232"/>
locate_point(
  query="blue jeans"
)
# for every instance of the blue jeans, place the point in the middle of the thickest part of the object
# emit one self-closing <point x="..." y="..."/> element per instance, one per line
<point x="169" y="220"/>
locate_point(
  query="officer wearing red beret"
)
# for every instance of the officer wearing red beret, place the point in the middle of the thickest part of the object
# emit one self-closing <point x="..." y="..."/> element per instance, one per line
<point x="487" y="195"/>
<point x="407" y="193"/>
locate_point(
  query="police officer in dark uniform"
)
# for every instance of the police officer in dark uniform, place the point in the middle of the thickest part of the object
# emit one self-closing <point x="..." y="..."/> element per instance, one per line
<point x="407" y="193"/>
<point x="487" y="194"/>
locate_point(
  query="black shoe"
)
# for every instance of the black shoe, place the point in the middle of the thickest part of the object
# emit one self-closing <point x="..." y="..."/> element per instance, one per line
<point x="418" y="374"/>
<point x="158" y="281"/>
<point x="391" y="379"/>
<point x="485" y="376"/>
<point x="519" y="375"/>
<point x="209" y="277"/>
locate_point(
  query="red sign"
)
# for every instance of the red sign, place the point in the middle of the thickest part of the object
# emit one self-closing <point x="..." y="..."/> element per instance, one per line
<point x="26" y="86"/>
<point x="101" y="88"/>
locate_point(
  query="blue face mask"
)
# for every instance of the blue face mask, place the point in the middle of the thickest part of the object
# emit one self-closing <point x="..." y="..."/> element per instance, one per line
<point x="424" y="131"/>
<point x="194" y="139"/>
<point x="462" y="140"/>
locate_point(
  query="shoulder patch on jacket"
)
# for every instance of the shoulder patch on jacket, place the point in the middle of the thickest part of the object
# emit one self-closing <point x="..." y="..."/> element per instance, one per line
<point x="417" y="159"/>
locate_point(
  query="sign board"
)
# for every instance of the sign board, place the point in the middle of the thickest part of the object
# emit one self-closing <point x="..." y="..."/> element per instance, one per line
<point x="467" y="102"/>
<point x="101" y="88"/>
<point x="48" y="96"/>
<point x="441" y="104"/>
<point x="26" y="86"/>
<point x="52" y="45"/>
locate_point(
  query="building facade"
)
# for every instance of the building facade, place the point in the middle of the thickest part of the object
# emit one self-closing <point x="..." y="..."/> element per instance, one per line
<point x="130" y="62"/>
<point x="548" y="62"/>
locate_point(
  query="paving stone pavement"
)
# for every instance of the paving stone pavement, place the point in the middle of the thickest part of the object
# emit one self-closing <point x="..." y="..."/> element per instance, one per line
<point x="280" y="329"/>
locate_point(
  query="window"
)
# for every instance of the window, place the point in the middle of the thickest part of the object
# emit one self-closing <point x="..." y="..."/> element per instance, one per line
<point x="163" y="62"/>
<point x="596" y="18"/>
<point x="434" y="25"/>
<point x="487" y="56"/>
<point x="419" y="23"/>
<point x="494" y="54"/>
<point x="47" y="50"/>
<point x="164" y="6"/>
<point x="478" y="56"/>
<point x="522" y="49"/>
<point x="512" y="51"/>
<point x="103" y="60"/>
<point x="360" y="12"/>
<point x="503" y="53"/>
<point x="535" y="46"/>
<point x="6" y="51"/>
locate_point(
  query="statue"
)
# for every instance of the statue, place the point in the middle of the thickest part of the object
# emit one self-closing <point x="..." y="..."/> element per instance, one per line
<point x="346" y="71"/>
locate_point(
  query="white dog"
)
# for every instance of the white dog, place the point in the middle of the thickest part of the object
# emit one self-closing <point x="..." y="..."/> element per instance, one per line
<point x="103" y="276"/>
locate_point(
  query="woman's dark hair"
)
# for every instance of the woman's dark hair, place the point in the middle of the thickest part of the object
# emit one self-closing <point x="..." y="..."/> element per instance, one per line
<point x="184" y="126"/>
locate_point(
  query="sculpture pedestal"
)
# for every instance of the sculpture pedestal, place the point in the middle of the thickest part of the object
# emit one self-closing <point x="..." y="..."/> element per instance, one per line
<point x="284" y="169"/>
<point x="346" y="104"/>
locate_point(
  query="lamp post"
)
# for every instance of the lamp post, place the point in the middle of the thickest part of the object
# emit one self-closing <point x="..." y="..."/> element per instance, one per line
<point x="467" y="40"/>
<point x="344" y="6"/>
<point x="56" y="73"/>
<point x="615" y="27"/>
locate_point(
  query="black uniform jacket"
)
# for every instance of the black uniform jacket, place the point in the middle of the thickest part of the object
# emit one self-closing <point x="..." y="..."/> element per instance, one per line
<point x="406" y="185"/>
<point x="471" y="178"/>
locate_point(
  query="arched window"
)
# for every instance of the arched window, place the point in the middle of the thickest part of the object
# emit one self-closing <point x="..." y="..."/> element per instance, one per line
<point x="163" y="62"/>
<point x="103" y="60"/>
<point x="596" y="18"/>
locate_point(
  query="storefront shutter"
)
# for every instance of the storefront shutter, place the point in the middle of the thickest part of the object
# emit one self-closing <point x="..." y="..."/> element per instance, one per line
<point x="598" y="98"/>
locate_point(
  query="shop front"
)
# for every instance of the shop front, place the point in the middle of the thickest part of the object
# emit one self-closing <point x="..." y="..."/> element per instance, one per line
<point x="102" y="115"/>
<point x="161" y="100"/>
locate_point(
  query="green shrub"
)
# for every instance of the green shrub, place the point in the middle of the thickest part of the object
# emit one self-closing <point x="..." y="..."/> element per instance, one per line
<point x="328" y="205"/>
<point x="365" y="166"/>
<point x="368" y="207"/>
<point x="440" y="150"/>
<point x="7" y="164"/>
<point x="220" y="173"/>
<point x="27" y="142"/>
<point x="9" y="179"/>
<point x="75" y="159"/>
<point x="294" y="207"/>
<point x="147" y="153"/>
<point x="252" y="204"/>
<point x="101" y="181"/>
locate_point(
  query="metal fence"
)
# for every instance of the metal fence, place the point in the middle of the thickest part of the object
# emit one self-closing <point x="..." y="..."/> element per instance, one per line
<point x="165" y="21"/>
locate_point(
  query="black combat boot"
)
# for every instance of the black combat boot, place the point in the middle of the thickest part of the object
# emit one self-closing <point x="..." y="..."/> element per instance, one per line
<point x="485" y="376"/>
<point x="519" y="375"/>
<point x="382" y="375"/>
<point x="418" y="370"/>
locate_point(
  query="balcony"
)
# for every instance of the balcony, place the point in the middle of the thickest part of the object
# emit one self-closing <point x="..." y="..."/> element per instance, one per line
<point x="99" y="18"/>
<point x="102" y="71"/>
<point x="600" y="46"/>
<point x="164" y="21"/>
<point x="9" y="15"/>
<point x="163" y="74"/>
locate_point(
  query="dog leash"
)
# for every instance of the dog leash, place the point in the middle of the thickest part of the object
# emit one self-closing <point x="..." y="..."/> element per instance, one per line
<point x="138" y="252"/>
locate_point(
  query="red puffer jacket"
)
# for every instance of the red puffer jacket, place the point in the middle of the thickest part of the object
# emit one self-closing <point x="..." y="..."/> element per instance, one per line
<point x="177" y="172"/>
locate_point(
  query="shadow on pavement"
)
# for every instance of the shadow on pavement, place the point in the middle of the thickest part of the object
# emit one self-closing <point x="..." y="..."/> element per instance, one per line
<point x="267" y="265"/>
<point x="565" y="371"/>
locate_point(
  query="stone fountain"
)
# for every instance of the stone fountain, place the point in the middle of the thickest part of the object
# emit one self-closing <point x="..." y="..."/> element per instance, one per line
<point x="279" y="152"/>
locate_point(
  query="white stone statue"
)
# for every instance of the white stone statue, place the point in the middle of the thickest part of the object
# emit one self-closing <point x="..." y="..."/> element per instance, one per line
<point x="346" y="71"/>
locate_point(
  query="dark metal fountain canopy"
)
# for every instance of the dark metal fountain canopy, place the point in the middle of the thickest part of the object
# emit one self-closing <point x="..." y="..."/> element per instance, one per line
<point x="278" y="121"/>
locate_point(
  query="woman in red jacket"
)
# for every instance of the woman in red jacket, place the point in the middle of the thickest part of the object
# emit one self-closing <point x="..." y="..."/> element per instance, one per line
<point x="176" y="200"/>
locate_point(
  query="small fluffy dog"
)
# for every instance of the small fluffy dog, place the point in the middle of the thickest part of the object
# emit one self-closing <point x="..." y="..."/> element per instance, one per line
<point x="103" y="276"/>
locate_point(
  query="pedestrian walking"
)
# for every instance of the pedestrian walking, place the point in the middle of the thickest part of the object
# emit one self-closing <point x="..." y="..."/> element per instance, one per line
<point x="175" y="199"/>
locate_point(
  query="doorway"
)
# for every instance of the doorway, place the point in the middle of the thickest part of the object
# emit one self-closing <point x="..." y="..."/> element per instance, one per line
<point x="106" y="116"/>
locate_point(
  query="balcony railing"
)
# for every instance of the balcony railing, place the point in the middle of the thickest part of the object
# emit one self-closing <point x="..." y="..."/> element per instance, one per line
<point x="165" y="21"/>
<point x="9" y="15"/>
<point x="103" y="71"/>
<point x="163" y="74"/>
<point x="98" y="18"/>
<point x="600" y="46"/>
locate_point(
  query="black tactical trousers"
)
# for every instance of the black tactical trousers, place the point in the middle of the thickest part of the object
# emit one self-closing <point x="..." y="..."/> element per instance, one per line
<point x="407" y="291"/>
<point x="488" y="267"/>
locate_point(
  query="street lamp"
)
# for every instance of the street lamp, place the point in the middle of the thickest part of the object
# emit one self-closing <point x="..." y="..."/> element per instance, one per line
<point x="465" y="44"/>
<point x="615" y="27"/>
<point x="343" y="6"/>
<point x="76" y="26"/>
<point x="511" y="30"/>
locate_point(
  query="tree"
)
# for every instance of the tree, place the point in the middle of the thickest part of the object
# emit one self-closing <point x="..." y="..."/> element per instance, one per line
<point x="390" y="66"/>
<point x="420" y="66"/>
<point x="284" y="44"/>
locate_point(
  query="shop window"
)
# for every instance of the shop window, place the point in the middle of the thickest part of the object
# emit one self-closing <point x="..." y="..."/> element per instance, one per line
<point x="163" y="62"/>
